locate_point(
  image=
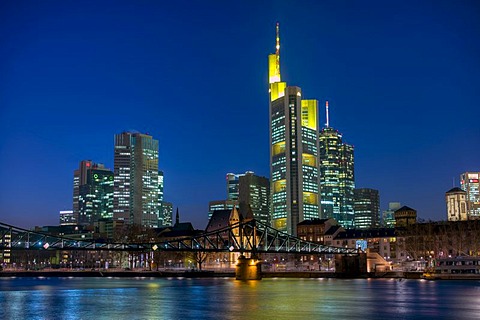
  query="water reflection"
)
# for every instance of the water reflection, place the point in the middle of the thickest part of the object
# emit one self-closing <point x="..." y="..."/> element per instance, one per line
<point x="150" y="298"/>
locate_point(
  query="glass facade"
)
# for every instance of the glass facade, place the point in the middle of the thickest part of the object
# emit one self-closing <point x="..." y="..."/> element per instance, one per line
<point x="221" y="205"/>
<point x="366" y="208"/>
<point x="67" y="218"/>
<point x="92" y="193"/>
<point x="254" y="195"/>
<point x="164" y="216"/>
<point x="469" y="182"/>
<point x="167" y="213"/>
<point x="388" y="216"/>
<point x="232" y="185"/>
<point x="96" y="196"/>
<point x="337" y="181"/>
<point x="136" y="191"/>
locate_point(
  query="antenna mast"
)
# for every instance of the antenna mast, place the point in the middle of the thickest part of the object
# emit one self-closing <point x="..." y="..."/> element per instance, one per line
<point x="326" y="108"/>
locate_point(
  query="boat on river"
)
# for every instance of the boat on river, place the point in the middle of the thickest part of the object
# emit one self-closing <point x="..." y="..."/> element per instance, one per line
<point x="458" y="268"/>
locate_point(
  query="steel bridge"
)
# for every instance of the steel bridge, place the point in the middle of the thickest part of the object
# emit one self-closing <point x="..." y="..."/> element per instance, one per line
<point x="244" y="237"/>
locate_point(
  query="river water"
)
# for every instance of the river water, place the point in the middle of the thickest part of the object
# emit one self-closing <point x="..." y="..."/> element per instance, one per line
<point x="222" y="298"/>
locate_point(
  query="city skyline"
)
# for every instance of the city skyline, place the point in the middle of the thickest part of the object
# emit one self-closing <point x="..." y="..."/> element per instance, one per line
<point x="401" y="79"/>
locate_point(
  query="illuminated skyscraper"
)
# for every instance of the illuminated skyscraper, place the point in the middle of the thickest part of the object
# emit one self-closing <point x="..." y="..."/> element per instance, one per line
<point x="136" y="198"/>
<point x="232" y="185"/>
<point x="92" y="193"/>
<point x="167" y="212"/>
<point x="254" y="195"/>
<point x="337" y="180"/>
<point x="367" y="208"/>
<point x="470" y="183"/>
<point x="294" y="148"/>
<point x="67" y="218"/>
<point x="221" y="205"/>
<point x="79" y="178"/>
<point x="245" y="191"/>
<point x="388" y="216"/>
<point x="96" y="196"/>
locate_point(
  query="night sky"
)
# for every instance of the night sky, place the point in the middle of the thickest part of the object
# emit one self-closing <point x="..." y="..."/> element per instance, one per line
<point x="402" y="80"/>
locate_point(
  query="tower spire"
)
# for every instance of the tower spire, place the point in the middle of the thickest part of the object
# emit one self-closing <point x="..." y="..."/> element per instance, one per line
<point x="326" y="109"/>
<point x="277" y="49"/>
<point x="274" y="60"/>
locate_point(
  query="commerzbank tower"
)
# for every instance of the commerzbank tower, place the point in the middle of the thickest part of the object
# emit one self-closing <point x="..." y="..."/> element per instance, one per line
<point x="294" y="147"/>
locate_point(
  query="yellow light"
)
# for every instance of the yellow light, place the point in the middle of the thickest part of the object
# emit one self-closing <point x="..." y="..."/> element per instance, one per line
<point x="280" y="224"/>
<point x="278" y="148"/>
<point x="279" y="185"/>
<point x="309" y="113"/>
<point x="277" y="90"/>
<point x="309" y="160"/>
<point x="273" y="74"/>
<point x="310" y="198"/>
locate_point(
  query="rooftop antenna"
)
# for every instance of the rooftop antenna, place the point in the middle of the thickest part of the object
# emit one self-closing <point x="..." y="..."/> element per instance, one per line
<point x="326" y="108"/>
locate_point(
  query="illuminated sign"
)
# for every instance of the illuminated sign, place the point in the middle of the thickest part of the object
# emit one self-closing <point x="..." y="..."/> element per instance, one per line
<point x="361" y="244"/>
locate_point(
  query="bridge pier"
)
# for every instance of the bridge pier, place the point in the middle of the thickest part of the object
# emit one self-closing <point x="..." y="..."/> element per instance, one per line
<point x="248" y="269"/>
<point x="351" y="266"/>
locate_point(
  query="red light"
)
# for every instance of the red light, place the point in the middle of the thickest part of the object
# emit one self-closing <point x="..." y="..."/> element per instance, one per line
<point x="88" y="164"/>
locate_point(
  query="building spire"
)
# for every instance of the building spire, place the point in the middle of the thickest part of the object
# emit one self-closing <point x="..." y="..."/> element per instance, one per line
<point x="326" y="109"/>
<point x="277" y="49"/>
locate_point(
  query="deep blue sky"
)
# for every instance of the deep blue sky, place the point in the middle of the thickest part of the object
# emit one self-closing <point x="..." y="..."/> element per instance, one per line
<point x="402" y="79"/>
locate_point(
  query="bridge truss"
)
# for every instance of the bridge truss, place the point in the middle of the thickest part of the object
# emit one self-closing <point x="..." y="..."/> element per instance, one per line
<point x="245" y="237"/>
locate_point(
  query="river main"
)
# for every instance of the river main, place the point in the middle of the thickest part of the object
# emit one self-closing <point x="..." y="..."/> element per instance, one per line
<point x="219" y="298"/>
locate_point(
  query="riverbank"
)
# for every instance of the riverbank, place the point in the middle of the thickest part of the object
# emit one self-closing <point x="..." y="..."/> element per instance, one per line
<point x="195" y="274"/>
<point x="117" y="274"/>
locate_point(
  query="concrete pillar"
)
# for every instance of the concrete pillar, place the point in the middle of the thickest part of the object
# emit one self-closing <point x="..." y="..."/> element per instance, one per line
<point x="248" y="269"/>
<point x="351" y="265"/>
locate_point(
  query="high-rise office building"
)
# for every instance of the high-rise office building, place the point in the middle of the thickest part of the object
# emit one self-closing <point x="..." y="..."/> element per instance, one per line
<point x="254" y="194"/>
<point x="92" y="193"/>
<point x="337" y="177"/>
<point x="95" y="200"/>
<point x="165" y="209"/>
<point x="167" y="213"/>
<point x="366" y="208"/>
<point x="79" y="178"/>
<point x="388" y="216"/>
<point x="221" y="205"/>
<point x="233" y="180"/>
<point x="136" y="199"/>
<point x="294" y="178"/>
<point x="469" y="182"/>
<point x="456" y="200"/>
<point x="162" y="220"/>
<point x="245" y="192"/>
<point x="67" y="218"/>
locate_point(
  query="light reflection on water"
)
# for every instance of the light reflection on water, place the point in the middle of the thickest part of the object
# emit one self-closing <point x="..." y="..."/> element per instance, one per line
<point x="151" y="298"/>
